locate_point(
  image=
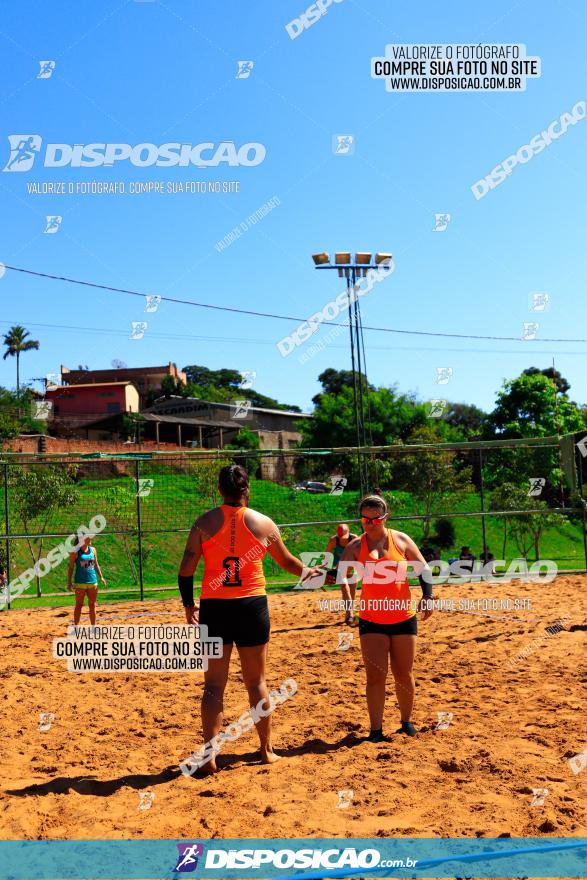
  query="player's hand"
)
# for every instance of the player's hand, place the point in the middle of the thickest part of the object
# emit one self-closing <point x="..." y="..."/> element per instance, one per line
<point x="425" y="606"/>
<point x="103" y="582"/>
<point x="191" y="614"/>
<point x="315" y="571"/>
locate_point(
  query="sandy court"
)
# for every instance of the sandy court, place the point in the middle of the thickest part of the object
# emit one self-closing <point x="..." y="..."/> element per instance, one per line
<point x="117" y="735"/>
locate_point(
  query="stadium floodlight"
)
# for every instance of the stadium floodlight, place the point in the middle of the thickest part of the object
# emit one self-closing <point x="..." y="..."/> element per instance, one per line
<point x="352" y="266"/>
<point x="362" y="259"/>
<point x="343" y="258"/>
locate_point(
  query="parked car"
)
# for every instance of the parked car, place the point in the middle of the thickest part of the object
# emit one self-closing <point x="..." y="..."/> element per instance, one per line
<point x="311" y="486"/>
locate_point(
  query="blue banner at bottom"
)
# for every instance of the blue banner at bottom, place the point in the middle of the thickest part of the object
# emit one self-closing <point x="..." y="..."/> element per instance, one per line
<point x="303" y="859"/>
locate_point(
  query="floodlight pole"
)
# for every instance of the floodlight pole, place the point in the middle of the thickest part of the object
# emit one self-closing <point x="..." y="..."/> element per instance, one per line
<point x="358" y="367"/>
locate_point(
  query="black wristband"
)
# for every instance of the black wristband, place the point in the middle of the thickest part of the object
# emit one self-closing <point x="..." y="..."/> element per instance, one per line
<point x="426" y="585"/>
<point x="186" y="588"/>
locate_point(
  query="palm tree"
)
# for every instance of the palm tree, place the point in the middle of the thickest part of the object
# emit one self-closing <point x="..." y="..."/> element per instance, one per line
<point x="16" y="341"/>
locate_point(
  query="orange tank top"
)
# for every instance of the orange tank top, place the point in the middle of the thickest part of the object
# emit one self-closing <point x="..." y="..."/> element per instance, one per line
<point x="233" y="559"/>
<point x="385" y="592"/>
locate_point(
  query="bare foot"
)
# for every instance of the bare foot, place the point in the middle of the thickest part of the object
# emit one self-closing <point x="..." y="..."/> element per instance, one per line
<point x="269" y="757"/>
<point x="207" y="769"/>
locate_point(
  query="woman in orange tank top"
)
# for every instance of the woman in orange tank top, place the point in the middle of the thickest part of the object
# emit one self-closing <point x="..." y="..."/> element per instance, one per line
<point x="387" y="616"/>
<point x="233" y="539"/>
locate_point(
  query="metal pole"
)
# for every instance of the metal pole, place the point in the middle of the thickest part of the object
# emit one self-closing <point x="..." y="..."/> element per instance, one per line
<point x="355" y="390"/>
<point x="361" y="405"/>
<point x="7" y="524"/>
<point x="558" y="434"/>
<point x="139" y="533"/>
<point x="583" y="504"/>
<point x="482" y="493"/>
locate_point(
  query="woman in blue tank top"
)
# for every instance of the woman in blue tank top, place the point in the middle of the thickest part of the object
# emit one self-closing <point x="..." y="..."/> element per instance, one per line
<point x="87" y="570"/>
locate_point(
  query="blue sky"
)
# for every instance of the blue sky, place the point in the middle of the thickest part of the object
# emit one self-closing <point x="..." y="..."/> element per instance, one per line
<point x="134" y="72"/>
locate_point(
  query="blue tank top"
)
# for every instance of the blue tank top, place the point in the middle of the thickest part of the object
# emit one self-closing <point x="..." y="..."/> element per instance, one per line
<point x="85" y="567"/>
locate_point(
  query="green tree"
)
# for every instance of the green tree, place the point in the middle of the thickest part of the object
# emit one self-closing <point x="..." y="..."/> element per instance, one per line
<point x="16" y="342"/>
<point x="562" y="384"/>
<point x="467" y="418"/>
<point x="224" y="386"/>
<point x="393" y="416"/>
<point x="526" y="407"/>
<point x="525" y="529"/>
<point x="38" y="492"/>
<point x="333" y="381"/>
<point x="16" y="414"/>
<point x="246" y="440"/>
<point x="171" y="386"/>
<point x="430" y="475"/>
<point x="120" y="501"/>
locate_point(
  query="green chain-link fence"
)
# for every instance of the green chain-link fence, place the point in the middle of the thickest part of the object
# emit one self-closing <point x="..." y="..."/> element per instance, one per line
<point x="511" y="498"/>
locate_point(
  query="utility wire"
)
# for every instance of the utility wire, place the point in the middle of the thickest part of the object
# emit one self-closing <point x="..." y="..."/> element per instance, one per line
<point x="256" y="314"/>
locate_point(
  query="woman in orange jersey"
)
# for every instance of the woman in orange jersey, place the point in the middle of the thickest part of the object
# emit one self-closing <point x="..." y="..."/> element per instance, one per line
<point x="233" y="540"/>
<point x="387" y="616"/>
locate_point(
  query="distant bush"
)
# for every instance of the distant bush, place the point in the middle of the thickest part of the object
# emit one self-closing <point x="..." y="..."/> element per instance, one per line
<point x="444" y="535"/>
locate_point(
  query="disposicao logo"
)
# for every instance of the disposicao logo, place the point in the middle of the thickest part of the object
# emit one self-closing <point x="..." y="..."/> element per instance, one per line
<point x="24" y="149"/>
<point x="187" y="860"/>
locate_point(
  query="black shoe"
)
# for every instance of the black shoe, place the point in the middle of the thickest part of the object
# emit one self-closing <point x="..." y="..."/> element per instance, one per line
<point x="376" y="736"/>
<point x="408" y="728"/>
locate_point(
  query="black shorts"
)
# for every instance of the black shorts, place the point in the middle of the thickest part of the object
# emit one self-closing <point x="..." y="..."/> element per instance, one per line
<point x="242" y="621"/>
<point x="407" y="627"/>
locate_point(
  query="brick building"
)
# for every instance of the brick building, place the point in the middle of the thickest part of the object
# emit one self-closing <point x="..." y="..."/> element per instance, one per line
<point x="93" y="411"/>
<point x="143" y="378"/>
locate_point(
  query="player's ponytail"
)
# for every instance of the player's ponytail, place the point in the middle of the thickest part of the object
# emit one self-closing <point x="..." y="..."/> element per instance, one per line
<point x="233" y="481"/>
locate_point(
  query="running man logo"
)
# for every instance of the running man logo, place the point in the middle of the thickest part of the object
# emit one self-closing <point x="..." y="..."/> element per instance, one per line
<point x="241" y="409"/>
<point x="529" y="330"/>
<point x="338" y="484"/>
<point x="46" y="719"/>
<point x="138" y="329"/>
<point x="578" y="762"/>
<point x="146" y="799"/>
<point x="309" y="560"/>
<point x="23" y="151"/>
<point x="344" y="641"/>
<point x="437" y="408"/>
<point x="53" y="224"/>
<point x="444" y="719"/>
<point x="42" y="409"/>
<point x="247" y="379"/>
<point x="441" y="222"/>
<point x="245" y="68"/>
<point x="46" y="71"/>
<point x="343" y="144"/>
<point x="536" y="486"/>
<point x="539" y="795"/>
<point x="443" y="375"/>
<point x="153" y="301"/>
<point x="189" y="854"/>
<point x="539" y="301"/>
<point x="345" y="798"/>
<point x="145" y="487"/>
